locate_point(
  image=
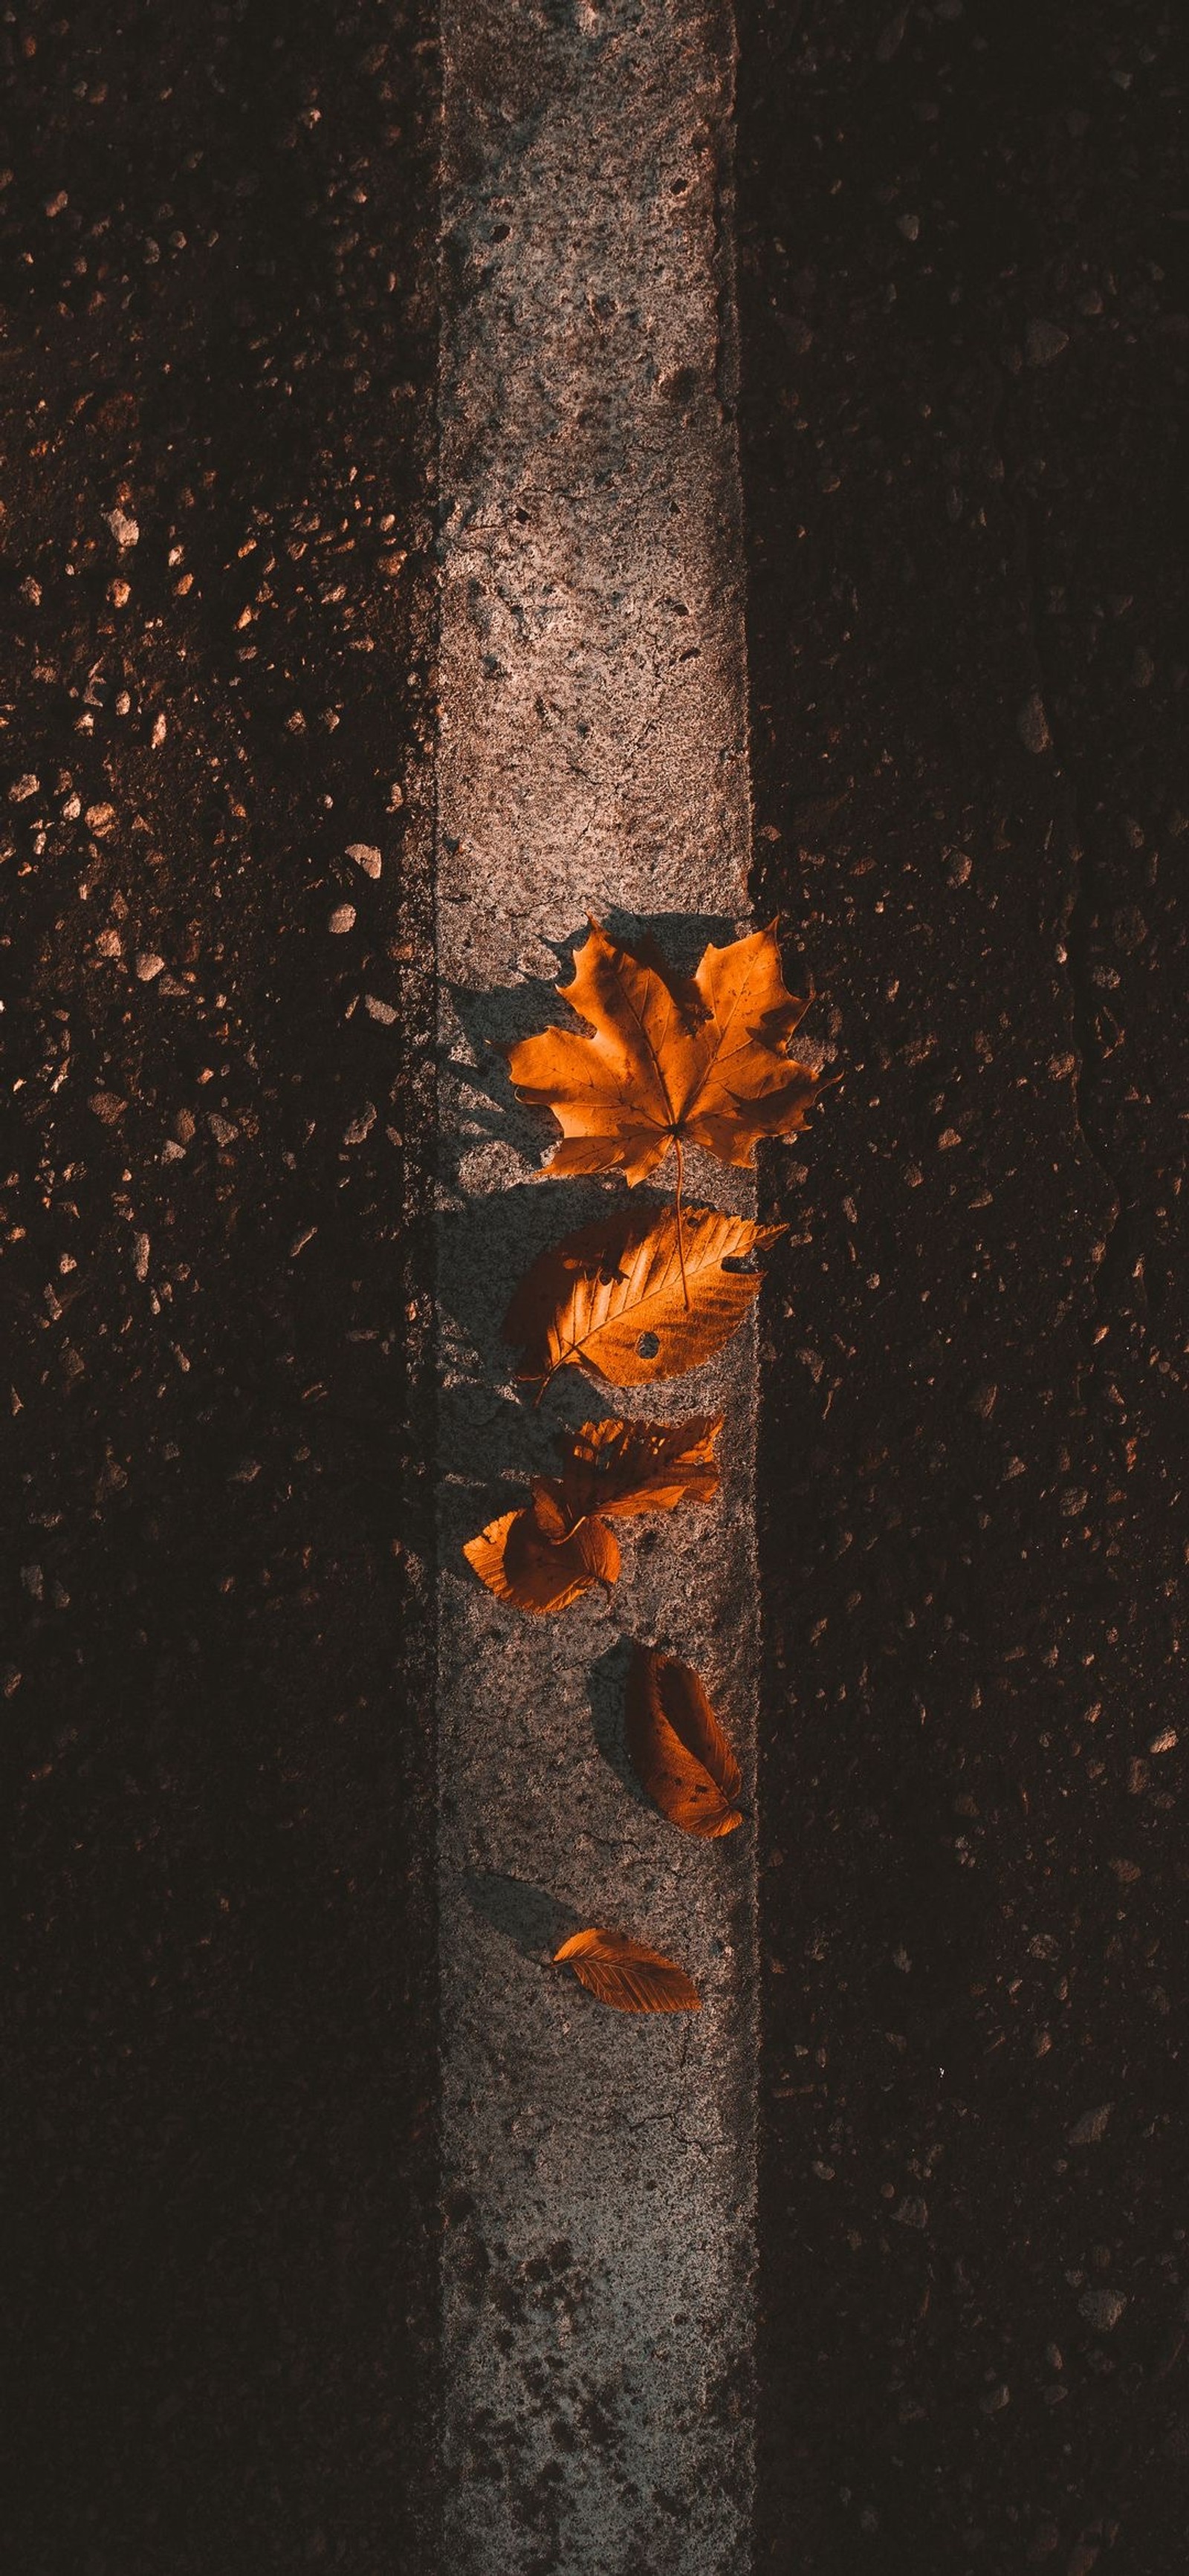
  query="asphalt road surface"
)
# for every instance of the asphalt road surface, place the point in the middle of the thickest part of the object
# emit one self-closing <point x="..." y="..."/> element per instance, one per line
<point x="964" y="253"/>
<point x="964" y="351"/>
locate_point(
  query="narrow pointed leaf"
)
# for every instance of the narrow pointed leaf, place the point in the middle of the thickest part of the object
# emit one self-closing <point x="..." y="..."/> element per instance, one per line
<point x="678" y="1749"/>
<point x="625" y="1974"/>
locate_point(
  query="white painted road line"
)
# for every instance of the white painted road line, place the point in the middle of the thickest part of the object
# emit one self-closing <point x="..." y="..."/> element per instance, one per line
<point x="599" y="2168"/>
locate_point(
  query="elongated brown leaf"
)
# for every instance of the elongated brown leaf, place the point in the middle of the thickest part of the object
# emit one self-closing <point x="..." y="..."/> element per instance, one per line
<point x="618" y="1298"/>
<point x="543" y="1568"/>
<point x="668" y="1060"/>
<point x="678" y="1749"/>
<point x="625" y="1974"/>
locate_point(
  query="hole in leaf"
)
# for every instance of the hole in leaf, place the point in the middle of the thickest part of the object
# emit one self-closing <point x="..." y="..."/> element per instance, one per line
<point x="648" y="1346"/>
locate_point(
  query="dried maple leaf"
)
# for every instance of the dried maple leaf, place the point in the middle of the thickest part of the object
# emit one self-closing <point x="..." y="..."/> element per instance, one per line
<point x="543" y="1556"/>
<point x="668" y="1060"/>
<point x="678" y="1749"/>
<point x="625" y="1301"/>
<point x="624" y="1973"/>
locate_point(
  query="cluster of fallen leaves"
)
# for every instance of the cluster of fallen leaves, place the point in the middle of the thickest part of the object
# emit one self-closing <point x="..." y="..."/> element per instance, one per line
<point x="663" y="1062"/>
<point x="560" y="1543"/>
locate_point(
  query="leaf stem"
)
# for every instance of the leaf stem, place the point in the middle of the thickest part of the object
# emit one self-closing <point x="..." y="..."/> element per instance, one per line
<point x="680" y="1235"/>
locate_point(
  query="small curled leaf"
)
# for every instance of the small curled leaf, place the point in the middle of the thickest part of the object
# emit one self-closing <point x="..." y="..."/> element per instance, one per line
<point x="538" y="1570"/>
<point x="625" y="1974"/>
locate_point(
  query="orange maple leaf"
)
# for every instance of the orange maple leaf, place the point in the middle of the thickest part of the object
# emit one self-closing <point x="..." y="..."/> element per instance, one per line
<point x="543" y="1556"/>
<point x="668" y="1060"/>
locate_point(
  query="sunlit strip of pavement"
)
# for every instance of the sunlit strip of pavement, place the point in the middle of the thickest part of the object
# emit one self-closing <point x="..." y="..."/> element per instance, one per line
<point x="599" y="2168"/>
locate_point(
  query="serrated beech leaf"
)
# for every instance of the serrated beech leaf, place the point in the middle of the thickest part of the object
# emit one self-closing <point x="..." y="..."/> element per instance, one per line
<point x="627" y="1299"/>
<point x="668" y="1060"/>
<point x="544" y="1555"/>
<point x="625" y="1974"/>
<point x="677" y="1747"/>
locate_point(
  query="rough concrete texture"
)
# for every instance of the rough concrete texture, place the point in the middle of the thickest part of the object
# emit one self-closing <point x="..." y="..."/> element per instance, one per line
<point x="599" y="2169"/>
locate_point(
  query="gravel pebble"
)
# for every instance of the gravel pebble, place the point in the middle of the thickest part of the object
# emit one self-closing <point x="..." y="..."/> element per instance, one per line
<point x="1102" y="2309"/>
<point x="1045" y="341"/>
<point x="1087" y="2131"/>
<point x="1032" y="724"/>
<point x="912" y="2213"/>
<point x="892" y="38"/>
<point x="342" y="919"/>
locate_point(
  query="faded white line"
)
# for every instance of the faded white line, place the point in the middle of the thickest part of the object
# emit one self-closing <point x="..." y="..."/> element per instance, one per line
<point x="599" y="2169"/>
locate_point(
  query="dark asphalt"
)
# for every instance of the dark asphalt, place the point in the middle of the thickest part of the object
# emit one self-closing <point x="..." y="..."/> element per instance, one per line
<point x="965" y="346"/>
<point x="220" y="323"/>
<point x="966" y="352"/>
